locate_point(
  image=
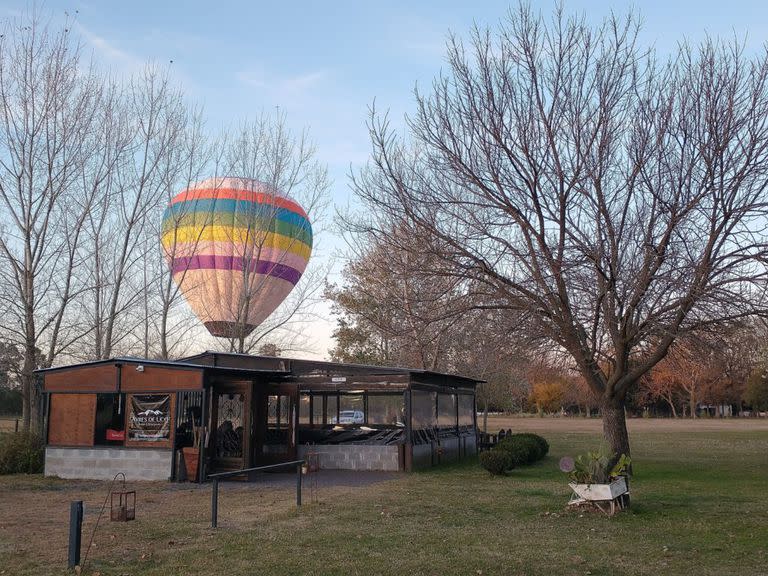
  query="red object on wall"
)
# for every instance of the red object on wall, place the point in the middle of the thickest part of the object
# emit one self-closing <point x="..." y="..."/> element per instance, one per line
<point x="115" y="434"/>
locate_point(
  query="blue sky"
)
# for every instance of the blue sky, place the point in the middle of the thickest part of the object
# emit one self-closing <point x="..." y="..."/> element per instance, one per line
<point x="324" y="63"/>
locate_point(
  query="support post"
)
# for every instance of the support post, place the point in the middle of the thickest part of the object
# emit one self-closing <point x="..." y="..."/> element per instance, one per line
<point x="75" y="532"/>
<point x="408" y="431"/>
<point x="298" y="484"/>
<point x="214" y="503"/>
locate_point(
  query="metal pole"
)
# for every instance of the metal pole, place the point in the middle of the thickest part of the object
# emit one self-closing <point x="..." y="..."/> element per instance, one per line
<point x="298" y="484"/>
<point x="75" y="532"/>
<point x="408" y="450"/>
<point x="214" y="503"/>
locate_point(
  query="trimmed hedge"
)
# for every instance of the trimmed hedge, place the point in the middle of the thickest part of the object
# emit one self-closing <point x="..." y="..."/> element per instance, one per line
<point x="542" y="442"/>
<point x="513" y="451"/>
<point x="497" y="462"/>
<point x="21" y="453"/>
<point x="522" y="450"/>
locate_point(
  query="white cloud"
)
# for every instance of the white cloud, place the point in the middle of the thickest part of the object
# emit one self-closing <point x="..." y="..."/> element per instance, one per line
<point x="108" y="53"/>
<point x="283" y="88"/>
<point x="421" y="38"/>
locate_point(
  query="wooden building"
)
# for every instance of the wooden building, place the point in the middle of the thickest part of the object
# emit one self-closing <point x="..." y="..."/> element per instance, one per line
<point x="234" y="411"/>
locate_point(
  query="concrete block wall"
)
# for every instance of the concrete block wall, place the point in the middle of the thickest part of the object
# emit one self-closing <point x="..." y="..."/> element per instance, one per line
<point x="355" y="456"/>
<point x="103" y="463"/>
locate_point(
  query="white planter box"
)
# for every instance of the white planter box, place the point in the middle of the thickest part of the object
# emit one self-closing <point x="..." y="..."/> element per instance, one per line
<point x="593" y="492"/>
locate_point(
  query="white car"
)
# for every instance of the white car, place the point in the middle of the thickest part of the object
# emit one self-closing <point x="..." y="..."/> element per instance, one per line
<point x="350" y="417"/>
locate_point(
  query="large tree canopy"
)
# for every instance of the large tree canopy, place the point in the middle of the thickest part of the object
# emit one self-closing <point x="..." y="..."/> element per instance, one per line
<point x="616" y="198"/>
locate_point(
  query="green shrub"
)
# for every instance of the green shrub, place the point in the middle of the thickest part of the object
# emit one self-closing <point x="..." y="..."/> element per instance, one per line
<point x="496" y="461"/>
<point x="21" y="454"/>
<point x="522" y="450"/>
<point x="541" y="442"/>
<point x="513" y="451"/>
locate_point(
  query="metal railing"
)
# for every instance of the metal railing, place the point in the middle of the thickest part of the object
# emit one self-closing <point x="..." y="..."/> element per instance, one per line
<point x="220" y="475"/>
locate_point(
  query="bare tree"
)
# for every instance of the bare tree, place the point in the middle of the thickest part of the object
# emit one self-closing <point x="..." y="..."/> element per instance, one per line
<point x="616" y="200"/>
<point x="266" y="152"/>
<point x="690" y="367"/>
<point x="49" y="100"/>
<point x="168" y="322"/>
<point x="286" y="328"/>
<point x="397" y="307"/>
<point x="707" y="367"/>
<point x="661" y="385"/>
<point x="408" y="318"/>
<point x="149" y="142"/>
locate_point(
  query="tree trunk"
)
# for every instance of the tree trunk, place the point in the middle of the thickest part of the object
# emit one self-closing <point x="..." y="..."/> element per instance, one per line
<point x="615" y="432"/>
<point x="164" y="333"/>
<point x="26" y="395"/>
<point x="615" y="427"/>
<point x="29" y="396"/>
<point x="167" y="300"/>
<point x="672" y="407"/>
<point x="146" y="308"/>
<point x="693" y="404"/>
<point x="29" y="390"/>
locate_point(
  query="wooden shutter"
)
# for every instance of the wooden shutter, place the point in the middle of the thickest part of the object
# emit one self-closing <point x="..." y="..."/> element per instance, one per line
<point x="72" y="419"/>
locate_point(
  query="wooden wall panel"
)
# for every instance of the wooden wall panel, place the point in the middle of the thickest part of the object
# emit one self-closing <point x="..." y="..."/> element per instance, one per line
<point x="72" y="419"/>
<point x="159" y="379"/>
<point x="100" y="378"/>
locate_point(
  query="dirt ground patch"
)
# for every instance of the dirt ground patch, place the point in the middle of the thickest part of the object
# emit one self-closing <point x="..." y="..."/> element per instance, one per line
<point x="35" y="515"/>
<point x="10" y="424"/>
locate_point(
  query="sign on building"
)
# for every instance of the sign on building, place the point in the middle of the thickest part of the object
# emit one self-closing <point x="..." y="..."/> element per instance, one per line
<point x="150" y="417"/>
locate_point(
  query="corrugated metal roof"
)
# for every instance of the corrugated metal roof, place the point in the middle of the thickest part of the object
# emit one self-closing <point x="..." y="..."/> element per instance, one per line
<point x="149" y="362"/>
<point x="301" y="364"/>
<point x="372" y="368"/>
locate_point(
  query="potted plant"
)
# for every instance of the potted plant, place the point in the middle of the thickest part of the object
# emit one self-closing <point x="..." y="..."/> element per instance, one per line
<point x="598" y="477"/>
<point x="192" y="454"/>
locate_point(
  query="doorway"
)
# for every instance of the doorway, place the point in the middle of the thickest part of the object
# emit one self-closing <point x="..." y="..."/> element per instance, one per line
<point x="231" y="426"/>
<point x="276" y="440"/>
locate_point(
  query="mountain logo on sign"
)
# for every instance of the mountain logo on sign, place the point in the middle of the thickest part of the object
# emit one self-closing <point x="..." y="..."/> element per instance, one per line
<point x="151" y="412"/>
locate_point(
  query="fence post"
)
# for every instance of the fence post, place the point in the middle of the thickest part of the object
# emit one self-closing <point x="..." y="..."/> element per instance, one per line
<point x="298" y="484"/>
<point x="214" y="503"/>
<point x="75" y="532"/>
<point x="16" y="430"/>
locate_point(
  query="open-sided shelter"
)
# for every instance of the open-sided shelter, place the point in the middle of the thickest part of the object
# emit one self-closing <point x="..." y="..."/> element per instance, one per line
<point x="237" y="411"/>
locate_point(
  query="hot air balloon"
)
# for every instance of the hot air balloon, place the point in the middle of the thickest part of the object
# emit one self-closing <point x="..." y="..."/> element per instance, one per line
<point x="236" y="248"/>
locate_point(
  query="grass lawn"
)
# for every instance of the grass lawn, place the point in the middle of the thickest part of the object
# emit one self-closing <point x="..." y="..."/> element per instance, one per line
<point x="699" y="506"/>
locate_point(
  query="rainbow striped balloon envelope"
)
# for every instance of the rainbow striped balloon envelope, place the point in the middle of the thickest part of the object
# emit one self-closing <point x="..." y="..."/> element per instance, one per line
<point x="236" y="248"/>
